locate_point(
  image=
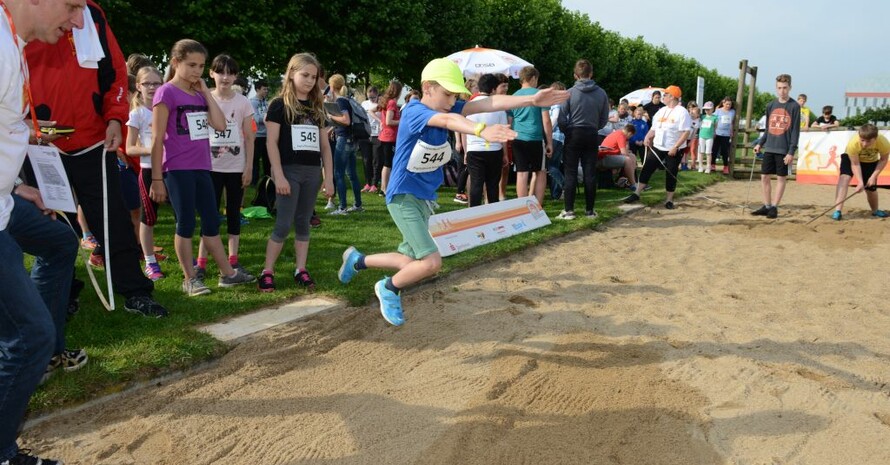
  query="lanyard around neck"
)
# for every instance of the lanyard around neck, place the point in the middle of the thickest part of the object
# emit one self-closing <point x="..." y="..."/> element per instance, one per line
<point x="24" y="70"/>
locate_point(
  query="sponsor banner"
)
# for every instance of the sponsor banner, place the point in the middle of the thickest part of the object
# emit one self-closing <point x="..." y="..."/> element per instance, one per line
<point x="466" y="228"/>
<point x="819" y="157"/>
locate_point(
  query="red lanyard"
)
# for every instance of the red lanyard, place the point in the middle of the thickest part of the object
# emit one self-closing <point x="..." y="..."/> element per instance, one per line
<point x="24" y="69"/>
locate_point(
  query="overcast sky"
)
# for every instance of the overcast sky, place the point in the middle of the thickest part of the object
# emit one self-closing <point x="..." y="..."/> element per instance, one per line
<point x="824" y="45"/>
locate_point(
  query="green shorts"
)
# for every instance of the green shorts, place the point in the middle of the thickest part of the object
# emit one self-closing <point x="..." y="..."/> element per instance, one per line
<point x="412" y="216"/>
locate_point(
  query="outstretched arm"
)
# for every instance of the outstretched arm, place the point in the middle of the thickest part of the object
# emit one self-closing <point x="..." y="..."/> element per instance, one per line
<point x="543" y="98"/>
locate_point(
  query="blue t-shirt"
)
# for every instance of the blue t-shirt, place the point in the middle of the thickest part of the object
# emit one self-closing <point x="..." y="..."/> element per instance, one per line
<point x="642" y="127"/>
<point x="527" y="121"/>
<point x="343" y="131"/>
<point x="413" y="128"/>
<point x="724" y="122"/>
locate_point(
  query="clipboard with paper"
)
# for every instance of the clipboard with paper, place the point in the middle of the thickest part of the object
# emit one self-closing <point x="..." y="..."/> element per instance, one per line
<point x="55" y="190"/>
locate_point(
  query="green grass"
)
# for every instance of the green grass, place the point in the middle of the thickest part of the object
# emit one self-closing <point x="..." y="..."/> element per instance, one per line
<point x="125" y="348"/>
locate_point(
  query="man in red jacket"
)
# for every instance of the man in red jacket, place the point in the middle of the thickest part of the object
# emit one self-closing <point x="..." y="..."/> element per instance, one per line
<point x="94" y="102"/>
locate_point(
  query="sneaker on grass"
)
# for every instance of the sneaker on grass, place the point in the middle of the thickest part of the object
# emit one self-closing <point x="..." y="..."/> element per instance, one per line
<point x="266" y="282"/>
<point x="68" y="360"/>
<point x="240" y="277"/>
<point x="355" y="209"/>
<point x="24" y="457"/>
<point x="153" y="271"/>
<point x="97" y="261"/>
<point x="302" y="278"/>
<point x="347" y="270"/>
<point x="195" y="287"/>
<point x="566" y="215"/>
<point x="200" y="273"/>
<point x="146" y="306"/>
<point x="390" y="304"/>
<point x="339" y="212"/>
<point x="632" y="198"/>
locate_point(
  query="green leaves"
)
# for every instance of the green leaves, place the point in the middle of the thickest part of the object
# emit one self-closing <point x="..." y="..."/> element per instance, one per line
<point x="396" y="38"/>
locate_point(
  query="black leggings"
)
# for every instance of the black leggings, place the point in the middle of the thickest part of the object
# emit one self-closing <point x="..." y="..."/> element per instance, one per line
<point x="652" y="164"/>
<point x="484" y="168"/>
<point x="583" y="145"/>
<point x="722" y="147"/>
<point x="232" y="184"/>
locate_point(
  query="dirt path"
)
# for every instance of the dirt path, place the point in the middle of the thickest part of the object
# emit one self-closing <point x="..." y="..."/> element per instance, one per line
<point x="692" y="336"/>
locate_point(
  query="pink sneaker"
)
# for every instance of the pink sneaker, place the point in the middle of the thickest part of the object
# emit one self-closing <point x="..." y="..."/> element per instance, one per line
<point x="366" y="188"/>
<point x="372" y="189"/>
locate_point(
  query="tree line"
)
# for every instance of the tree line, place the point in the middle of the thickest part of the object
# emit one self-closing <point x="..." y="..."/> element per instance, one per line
<point x="382" y="40"/>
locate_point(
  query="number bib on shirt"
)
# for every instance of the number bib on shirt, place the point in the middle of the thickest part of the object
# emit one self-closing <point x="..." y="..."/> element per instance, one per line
<point x="725" y="120"/>
<point x="198" y="129"/>
<point x="425" y="157"/>
<point x="706" y="124"/>
<point x="304" y="137"/>
<point x="228" y="138"/>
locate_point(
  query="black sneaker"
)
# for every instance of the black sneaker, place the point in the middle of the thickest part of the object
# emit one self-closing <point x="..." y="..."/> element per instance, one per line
<point x="669" y="205"/>
<point x="145" y="306"/>
<point x="302" y="278"/>
<point x="762" y="211"/>
<point x="24" y="457"/>
<point x="632" y="198"/>
<point x="773" y="212"/>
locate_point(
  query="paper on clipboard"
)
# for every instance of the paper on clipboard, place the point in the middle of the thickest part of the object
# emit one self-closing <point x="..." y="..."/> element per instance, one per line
<point x="51" y="177"/>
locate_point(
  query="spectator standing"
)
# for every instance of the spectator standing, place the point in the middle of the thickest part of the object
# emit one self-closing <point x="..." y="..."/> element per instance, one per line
<point x="653" y="105"/>
<point x="94" y="100"/>
<point x="390" y="117"/>
<point x="778" y="142"/>
<point x="370" y="148"/>
<point x="554" y="164"/>
<point x="184" y="111"/>
<point x="581" y="118"/>
<point x="534" y="143"/>
<point x="724" y="132"/>
<point x="231" y="153"/>
<point x="29" y="305"/>
<point x="706" y="138"/>
<point x="670" y="130"/>
<point x="260" y="106"/>
<point x="297" y="163"/>
<point x="344" y="151"/>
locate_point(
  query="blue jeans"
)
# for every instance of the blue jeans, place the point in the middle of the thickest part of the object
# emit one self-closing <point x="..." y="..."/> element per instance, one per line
<point x="554" y="168"/>
<point x="28" y="307"/>
<point x="344" y="164"/>
<point x="54" y="247"/>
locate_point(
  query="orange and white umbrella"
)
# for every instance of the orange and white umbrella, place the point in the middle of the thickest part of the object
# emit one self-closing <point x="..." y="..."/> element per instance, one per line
<point x="642" y="96"/>
<point x="477" y="61"/>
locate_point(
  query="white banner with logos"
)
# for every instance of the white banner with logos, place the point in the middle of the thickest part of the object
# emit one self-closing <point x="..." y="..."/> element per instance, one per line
<point x="464" y="229"/>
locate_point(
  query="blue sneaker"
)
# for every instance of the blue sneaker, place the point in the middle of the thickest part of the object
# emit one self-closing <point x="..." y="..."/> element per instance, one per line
<point x="390" y="304"/>
<point x="880" y="214"/>
<point x="347" y="269"/>
<point x="836" y="216"/>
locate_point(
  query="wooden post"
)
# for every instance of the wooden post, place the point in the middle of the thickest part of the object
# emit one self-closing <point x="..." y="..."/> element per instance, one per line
<point x="743" y="71"/>
<point x="749" y="113"/>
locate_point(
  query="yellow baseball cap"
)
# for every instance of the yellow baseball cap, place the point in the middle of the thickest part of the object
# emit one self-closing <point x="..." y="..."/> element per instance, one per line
<point x="446" y="73"/>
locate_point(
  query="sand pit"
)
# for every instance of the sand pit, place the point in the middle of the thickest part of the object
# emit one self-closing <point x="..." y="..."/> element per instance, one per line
<point x="692" y="336"/>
